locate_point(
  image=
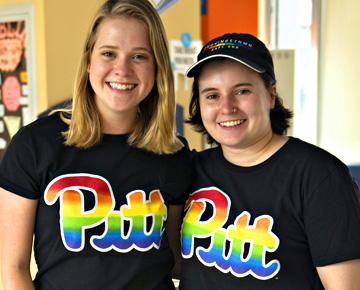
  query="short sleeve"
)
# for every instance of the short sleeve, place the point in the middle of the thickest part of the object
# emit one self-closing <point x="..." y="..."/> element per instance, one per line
<point x="18" y="166"/>
<point x="332" y="218"/>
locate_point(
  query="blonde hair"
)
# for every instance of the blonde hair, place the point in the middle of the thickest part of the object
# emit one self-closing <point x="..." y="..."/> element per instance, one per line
<point x="155" y="129"/>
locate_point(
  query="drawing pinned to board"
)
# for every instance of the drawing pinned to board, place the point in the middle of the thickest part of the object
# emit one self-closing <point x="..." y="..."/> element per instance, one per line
<point x="11" y="93"/>
<point x="12" y="45"/>
<point x="15" y="61"/>
<point x="12" y="124"/>
<point x="162" y="5"/>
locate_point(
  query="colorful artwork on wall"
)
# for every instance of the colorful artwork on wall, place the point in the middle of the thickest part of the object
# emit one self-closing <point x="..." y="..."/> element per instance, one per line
<point x="15" y="83"/>
<point x="162" y="5"/>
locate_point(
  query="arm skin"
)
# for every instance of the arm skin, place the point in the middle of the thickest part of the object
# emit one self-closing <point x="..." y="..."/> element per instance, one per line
<point x="341" y="276"/>
<point x="17" y="218"/>
<point x="173" y="228"/>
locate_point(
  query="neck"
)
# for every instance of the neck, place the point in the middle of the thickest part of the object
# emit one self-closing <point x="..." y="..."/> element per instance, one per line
<point x="256" y="153"/>
<point x="117" y="125"/>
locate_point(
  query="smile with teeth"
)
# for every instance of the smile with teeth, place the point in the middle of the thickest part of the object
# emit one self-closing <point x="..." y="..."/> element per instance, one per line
<point x="122" y="87"/>
<point x="231" y="123"/>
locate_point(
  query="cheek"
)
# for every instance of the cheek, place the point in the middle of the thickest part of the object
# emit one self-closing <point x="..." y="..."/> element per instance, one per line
<point x="93" y="75"/>
<point x="147" y="75"/>
<point x="208" y="114"/>
<point x="267" y="106"/>
<point x="150" y="75"/>
<point x="258" y="106"/>
<point x="268" y="100"/>
<point x="148" y="84"/>
<point x="97" y="67"/>
<point x="92" y="72"/>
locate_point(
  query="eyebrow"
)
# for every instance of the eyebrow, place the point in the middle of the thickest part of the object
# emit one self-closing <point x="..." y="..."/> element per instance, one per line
<point x="236" y="86"/>
<point x="140" y="48"/>
<point x="207" y="90"/>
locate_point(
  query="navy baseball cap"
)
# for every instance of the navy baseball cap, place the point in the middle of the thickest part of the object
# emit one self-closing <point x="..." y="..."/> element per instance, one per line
<point x="242" y="47"/>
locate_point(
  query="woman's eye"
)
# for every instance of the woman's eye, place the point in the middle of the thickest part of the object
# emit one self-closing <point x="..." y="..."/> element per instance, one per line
<point x="211" y="97"/>
<point x="108" y="54"/>
<point x="139" y="57"/>
<point x="243" y="92"/>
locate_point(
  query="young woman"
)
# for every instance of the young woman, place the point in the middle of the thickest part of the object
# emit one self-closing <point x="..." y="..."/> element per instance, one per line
<point x="266" y="211"/>
<point x="97" y="183"/>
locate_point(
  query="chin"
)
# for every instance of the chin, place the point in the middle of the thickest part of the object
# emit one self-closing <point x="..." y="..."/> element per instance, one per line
<point x="228" y="143"/>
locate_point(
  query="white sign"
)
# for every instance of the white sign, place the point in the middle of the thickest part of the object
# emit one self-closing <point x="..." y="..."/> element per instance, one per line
<point x="183" y="57"/>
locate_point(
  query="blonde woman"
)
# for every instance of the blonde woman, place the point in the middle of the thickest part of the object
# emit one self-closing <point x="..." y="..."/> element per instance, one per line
<point x="97" y="183"/>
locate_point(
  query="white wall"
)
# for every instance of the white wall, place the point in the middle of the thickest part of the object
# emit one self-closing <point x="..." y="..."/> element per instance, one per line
<point x="339" y="81"/>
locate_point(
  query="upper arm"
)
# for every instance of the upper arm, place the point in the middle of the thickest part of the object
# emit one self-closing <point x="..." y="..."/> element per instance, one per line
<point x="174" y="220"/>
<point x="17" y="218"/>
<point x="341" y="276"/>
<point x="173" y="228"/>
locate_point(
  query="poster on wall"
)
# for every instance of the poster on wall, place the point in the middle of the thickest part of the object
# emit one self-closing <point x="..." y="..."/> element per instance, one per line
<point x="183" y="53"/>
<point x="162" y="5"/>
<point x="16" y="86"/>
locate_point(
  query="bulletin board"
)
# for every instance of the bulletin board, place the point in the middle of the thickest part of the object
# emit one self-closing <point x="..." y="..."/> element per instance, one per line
<point x="17" y="89"/>
<point x="182" y="24"/>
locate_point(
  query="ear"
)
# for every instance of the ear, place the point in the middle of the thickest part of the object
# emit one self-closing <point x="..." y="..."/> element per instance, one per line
<point x="273" y="94"/>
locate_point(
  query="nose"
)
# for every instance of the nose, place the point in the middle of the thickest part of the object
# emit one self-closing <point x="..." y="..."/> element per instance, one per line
<point x="228" y="105"/>
<point x="122" y="66"/>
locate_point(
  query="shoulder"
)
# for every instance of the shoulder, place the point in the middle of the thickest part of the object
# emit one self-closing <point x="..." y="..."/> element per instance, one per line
<point x="315" y="165"/>
<point x="171" y="163"/>
<point x="304" y="152"/>
<point x="207" y="156"/>
<point x="46" y="131"/>
<point x="48" y="125"/>
<point x="181" y="157"/>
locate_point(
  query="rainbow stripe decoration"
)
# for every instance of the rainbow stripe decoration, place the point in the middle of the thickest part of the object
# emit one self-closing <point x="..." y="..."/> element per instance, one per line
<point x="226" y="251"/>
<point x="227" y="44"/>
<point x="144" y="217"/>
<point x="137" y="212"/>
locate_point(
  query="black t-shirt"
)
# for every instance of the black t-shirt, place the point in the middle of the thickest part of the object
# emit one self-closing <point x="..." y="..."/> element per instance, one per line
<point x="268" y="226"/>
<point x="101" y="212"/>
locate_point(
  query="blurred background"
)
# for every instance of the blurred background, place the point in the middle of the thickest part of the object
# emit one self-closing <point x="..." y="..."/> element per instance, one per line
<point x="315" y="45"/>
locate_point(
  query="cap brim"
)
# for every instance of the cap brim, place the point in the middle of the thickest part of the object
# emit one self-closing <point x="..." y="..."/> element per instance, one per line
<point x="193" y="69"/>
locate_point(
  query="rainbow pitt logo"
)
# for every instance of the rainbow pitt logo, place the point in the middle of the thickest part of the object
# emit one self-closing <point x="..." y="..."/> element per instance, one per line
<point x="226" y="251"/>
<point x="145" y="217"/>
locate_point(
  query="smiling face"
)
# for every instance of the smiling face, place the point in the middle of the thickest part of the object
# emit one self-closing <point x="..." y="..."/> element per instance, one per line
<point x="234" y="104"/>
<point x="121" y="71"/>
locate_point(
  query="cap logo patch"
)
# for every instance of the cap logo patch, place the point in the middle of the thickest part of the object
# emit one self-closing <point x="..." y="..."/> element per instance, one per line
<point x="227" y="43"/>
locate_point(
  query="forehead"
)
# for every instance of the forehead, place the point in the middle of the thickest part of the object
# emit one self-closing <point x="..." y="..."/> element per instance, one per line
<point x="129" y="29"/>
<point x="223" y="68"/>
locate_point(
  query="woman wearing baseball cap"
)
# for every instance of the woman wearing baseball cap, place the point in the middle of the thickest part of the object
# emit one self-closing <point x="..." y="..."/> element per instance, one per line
<point x="266" y="211"/>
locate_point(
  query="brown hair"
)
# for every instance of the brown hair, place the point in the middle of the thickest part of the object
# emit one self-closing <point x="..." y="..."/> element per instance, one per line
<point x="279" y="115"/>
